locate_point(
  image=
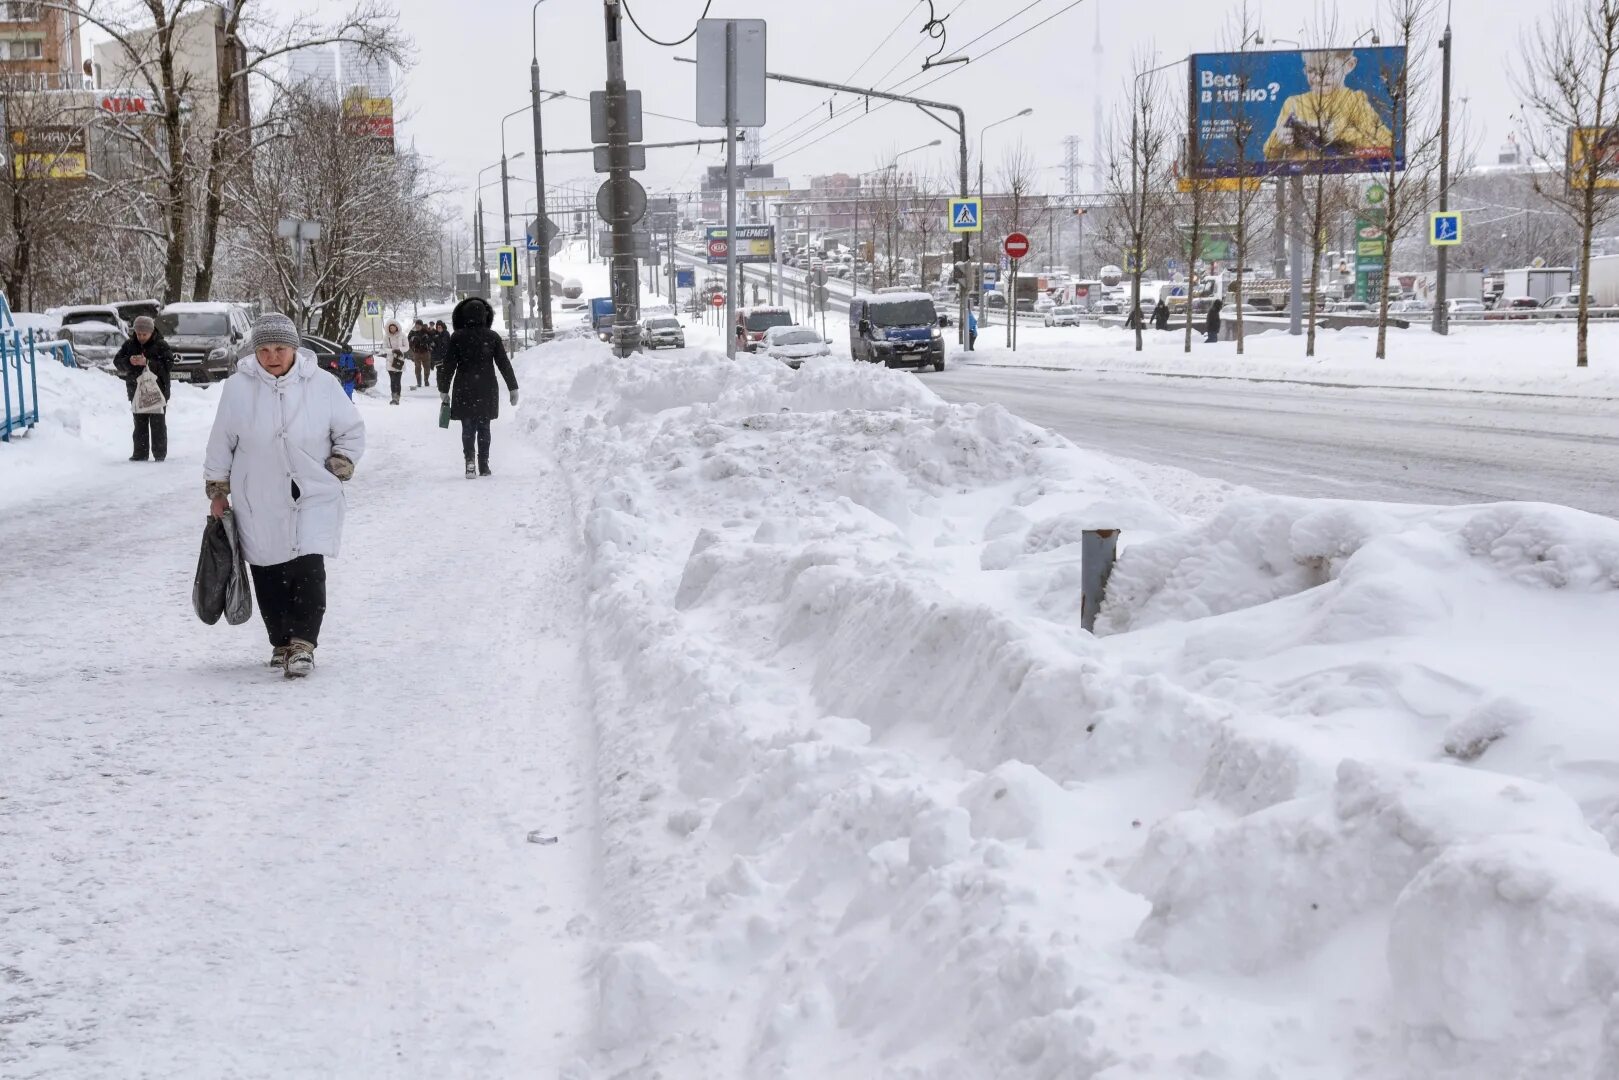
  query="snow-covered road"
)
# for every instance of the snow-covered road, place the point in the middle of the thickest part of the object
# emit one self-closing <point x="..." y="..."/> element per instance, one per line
<point x="206" y="871"/>
<point x="1318" y="442"/>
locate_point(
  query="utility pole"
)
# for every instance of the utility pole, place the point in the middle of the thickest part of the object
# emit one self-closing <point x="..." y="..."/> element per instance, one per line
<point x="1441" y="317"/>
<point x="506" y="233"/>
<point x="730" y="189"/>
<point x="542" y="271"/>
<point x="626" y="278"/>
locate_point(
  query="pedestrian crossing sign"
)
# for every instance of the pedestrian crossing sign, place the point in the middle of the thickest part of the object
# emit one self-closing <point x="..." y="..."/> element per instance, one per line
<point x="373" y="309"/>
<point x="1445" y="228"/>
<point x="507" y="276"/>
<point x="966" y="215"/>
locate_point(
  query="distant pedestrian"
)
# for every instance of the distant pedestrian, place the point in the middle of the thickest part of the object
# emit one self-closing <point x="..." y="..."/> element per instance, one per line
<point x="420" y="341"/>
<point x="147" y="351"/>
<point x="972" y="329"/>
<point x="1160" y="316"/>
<point x="438" y="343"/>
<point x="396" y="344"/>
<point x="1133" y="320"/>
<point x="466" y="379"/>
<point x="284" y="440"/>
<point x="1213" y="324"/>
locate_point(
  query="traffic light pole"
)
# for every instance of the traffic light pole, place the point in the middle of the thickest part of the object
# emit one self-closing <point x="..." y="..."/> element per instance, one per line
<point x="959" y="128"/>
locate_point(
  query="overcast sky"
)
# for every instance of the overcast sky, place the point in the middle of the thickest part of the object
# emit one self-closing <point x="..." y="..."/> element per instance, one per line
<point x="472" y="67"/>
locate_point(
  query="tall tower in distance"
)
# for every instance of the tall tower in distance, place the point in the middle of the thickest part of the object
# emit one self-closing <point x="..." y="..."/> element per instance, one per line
<point x="1070" y="165"/>
<point x="1098" y="155"/>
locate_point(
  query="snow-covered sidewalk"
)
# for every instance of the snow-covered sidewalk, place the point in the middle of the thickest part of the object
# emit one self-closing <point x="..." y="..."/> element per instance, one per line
<point x="1497" y="358"/>
<point x="207" y="871"/>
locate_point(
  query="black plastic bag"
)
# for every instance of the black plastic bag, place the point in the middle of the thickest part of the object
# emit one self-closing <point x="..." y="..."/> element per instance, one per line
<point x="221" y="586"/>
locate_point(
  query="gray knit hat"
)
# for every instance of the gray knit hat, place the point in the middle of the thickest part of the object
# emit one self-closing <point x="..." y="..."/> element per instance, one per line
<point x="144" y="324"/>
<point x="274" y="329"/>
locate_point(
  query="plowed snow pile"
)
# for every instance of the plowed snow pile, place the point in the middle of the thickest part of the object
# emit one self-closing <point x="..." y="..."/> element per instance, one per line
<point x="1333" y="793"/>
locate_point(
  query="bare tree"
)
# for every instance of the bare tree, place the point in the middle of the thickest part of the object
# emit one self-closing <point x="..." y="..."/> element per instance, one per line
<point x="1407" y="107"/>
<point x="1245" y="194"/>
<point x="1569" y="81"/>
<point x="43" y="191"/>
<point x="1017" y="174"/>
<point x="925" y="211"/>
<point x="1137" y="176"/>
<point x="379" y="208"/>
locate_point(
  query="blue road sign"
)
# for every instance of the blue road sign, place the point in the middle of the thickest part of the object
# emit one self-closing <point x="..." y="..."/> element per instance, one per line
<point x="685" y="279"/>
<point x="533" y="245"/>
<point x="507" y="274"/>
<point x="966" y="215"/>
<point x="1445" y="228"/>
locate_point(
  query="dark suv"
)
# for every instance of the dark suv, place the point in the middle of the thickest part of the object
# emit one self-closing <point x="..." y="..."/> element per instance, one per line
<point x="206" y="338"/>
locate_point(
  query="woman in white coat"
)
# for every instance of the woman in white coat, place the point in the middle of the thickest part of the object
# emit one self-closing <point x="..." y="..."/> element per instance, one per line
<point x="395" y="343"/>
<point x="285" y="438"/>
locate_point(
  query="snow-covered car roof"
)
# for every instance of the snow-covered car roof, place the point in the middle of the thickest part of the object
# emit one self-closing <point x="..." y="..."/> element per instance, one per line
<point x="83" y="309"/>
<point x="777" y="331"/>
<point x="900" y="298"/>
<point x="206" y="307"/>
<point x="94" y="328"/>
<point x="761" y="309"/>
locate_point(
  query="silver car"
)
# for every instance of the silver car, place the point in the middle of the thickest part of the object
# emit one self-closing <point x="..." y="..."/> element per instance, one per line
<point x="663" y="333"/>
<point x="95" y="332"/>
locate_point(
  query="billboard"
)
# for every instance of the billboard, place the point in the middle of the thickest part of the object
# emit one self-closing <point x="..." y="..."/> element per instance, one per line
<point x="1295" y="112"/>
<point x="754" y="244"/>
<point x="1596" y="149"/>
<point x="370" y="117"/>
<point x="48" y="152"/>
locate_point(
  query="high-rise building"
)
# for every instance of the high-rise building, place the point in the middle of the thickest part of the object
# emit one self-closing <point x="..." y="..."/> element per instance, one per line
<point x="314" y="68"/>
<point x="41" y="43"/>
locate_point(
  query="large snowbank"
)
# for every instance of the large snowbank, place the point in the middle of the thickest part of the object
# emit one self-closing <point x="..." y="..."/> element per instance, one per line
<point x="1334" y="794"/>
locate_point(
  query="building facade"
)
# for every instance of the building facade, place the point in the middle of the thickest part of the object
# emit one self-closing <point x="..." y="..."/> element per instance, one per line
<point x="202" y="58"/>
<point x="40" y="44"/>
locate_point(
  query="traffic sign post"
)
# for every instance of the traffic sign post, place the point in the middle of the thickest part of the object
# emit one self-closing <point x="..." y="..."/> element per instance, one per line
<point x="966" y="216"/>
<point x="1016" y="246"/>
<point x="1445" y="228"/>
<point x="506" y="277"/>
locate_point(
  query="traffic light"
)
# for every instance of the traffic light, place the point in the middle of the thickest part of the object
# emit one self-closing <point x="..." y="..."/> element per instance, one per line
<point x="958" y="250"/>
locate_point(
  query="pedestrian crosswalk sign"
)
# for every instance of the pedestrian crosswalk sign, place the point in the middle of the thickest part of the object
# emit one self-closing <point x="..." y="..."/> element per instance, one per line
<point x="966" y="216"/>
<point x="507" y="277"/>
<point x="373" y="309"/>
<point x="1445" y="228"/>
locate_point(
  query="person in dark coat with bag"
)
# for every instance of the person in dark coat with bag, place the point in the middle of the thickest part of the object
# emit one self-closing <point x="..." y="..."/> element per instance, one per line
<point x="466" y="379"/>
<point x="1213" y="325"/>
<point x="147" y="351"/>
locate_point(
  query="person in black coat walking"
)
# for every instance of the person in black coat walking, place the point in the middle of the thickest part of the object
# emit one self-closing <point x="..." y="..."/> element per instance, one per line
<point x="1160" y="316"/>
<point x="1213" y="326"/>
<point x="466" y="378"/>
<point x="438" y="341"/>
<point x="147" y="351"/>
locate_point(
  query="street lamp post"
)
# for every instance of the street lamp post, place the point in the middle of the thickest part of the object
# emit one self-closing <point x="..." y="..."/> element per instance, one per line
<point x="480" y="239"/>
<point x="506" y="219"/>
<point x="543" y="260"/>
<point x="859" y="182"/>
<point x="981" y="133"/>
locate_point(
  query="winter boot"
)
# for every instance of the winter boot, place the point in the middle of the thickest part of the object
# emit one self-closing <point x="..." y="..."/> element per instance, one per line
<point x="278" y="659"/>
<point x="300" y="659"/>
<point x="472" y="469"/>
<point x="483" y="467"/>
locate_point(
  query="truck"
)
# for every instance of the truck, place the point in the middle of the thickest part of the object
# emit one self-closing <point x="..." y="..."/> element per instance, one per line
<point x="1540" y="282"/>
<point x="1603" y="284"/>
<point x="601" y="316"/>
<point x="1464" y="285"/>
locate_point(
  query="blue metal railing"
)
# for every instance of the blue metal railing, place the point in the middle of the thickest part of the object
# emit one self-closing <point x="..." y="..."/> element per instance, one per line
<point x="19" y="379"/>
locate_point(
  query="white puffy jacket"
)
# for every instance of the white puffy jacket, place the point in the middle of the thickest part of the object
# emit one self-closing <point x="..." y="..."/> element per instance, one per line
<point x="270" y="434"/>
<point x="396" y="341"/>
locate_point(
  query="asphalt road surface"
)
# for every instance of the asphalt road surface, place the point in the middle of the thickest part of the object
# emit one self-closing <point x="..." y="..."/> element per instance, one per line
<point x="1388" y="445"/>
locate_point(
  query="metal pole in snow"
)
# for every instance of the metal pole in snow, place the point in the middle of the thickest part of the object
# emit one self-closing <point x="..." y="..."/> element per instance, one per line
<point x="1099" y="549"/>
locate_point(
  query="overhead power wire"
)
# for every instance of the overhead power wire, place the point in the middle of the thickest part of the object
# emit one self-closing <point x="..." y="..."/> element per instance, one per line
<point x="943" y="75"/>
<point x="666" y="44"/>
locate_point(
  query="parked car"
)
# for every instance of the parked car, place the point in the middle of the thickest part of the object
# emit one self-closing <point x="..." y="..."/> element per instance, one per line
<point x="328" y="355"/>
<point x="1563" y="305"/>
<point x="1410" y="308"/>
<point x="1464" y="306"/>
<point x="792" y="345"/>
<point x="663" y="333"/>
<point x="130" y="310"/>
<point x="1044" y="303"/>
<point x="1064" y="316"/>
<point x="897" y="330"/>
<point x="1349" y="307"/>
<point x="1517" y="307"/>
<point x="756" y="320"/>
<point x="207" y="338"/>
<point x="96" y="332"/>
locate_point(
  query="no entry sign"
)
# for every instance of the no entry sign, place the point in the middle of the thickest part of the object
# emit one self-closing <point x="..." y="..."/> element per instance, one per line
<point x="718" y="300"/>
<point x="1016" y="246"/>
